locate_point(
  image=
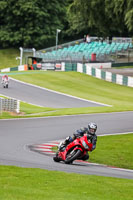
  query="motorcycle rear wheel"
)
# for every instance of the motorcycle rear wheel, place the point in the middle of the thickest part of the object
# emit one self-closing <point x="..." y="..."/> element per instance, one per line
<point x="70" y="158"/>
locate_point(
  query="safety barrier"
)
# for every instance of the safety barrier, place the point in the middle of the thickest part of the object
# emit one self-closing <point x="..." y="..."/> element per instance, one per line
<point x="18" y="68"/>
<point x="95" y="69"/>
<point x="111" y="77"/>
<point x="11" y="105"/>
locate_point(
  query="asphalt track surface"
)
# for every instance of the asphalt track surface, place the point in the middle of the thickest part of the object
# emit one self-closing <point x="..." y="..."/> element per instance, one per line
<point x="16" y="135"/>
<point x="43" y="97"/>
<point x="124" y="71"/>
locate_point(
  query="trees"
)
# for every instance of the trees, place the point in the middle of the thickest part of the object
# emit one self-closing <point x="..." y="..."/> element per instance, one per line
<point x="101" y="17"/>
<point x="30" y="23"/>
<point x="34" y="22"/>
<point x="129" y="15"/>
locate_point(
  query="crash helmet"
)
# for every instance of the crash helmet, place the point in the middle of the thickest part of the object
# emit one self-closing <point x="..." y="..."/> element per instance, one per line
<point x="92" y="127"/>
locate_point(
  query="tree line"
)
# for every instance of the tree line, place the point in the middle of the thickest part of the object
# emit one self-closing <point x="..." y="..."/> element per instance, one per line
<point x="33" y="23"/>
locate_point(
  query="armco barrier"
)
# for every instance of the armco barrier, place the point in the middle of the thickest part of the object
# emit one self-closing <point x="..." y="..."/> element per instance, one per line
<point x="11" y="105"/>
<point x="92" y="69"/>
<point x="111" y="77"/>
<point x="18" y="68"/>
<point x="96" y="71"/>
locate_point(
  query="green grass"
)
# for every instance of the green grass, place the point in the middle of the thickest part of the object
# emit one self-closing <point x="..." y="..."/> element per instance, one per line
<point x="8" y="58"/>
<point x="31" y="109"/>
<point x="114" y="150"/>
<point x="31" y="184"/>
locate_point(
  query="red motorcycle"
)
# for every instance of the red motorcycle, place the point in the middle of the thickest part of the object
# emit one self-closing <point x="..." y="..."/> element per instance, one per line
<point x="5" y="81"/>
<point x="75" y="150"/>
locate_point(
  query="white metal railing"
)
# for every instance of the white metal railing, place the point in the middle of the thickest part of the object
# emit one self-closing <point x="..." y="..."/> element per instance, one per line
<point x="60" y="46"/>
<point x="122" y="39"/>
<point x="11" y="105"/>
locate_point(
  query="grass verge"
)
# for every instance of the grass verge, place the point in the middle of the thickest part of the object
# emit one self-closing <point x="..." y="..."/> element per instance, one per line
<point x="31" y="184"/>
<point x="27" y="110"/>
<point x="8" y="58"/>
<point x="114" y="150"/>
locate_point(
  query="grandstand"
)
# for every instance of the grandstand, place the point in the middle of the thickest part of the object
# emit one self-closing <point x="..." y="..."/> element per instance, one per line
<point x="79" y="51"/>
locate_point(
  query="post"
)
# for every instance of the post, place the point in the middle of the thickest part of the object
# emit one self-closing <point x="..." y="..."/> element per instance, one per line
<point x="57" y="31"/>
<point x="18" y="106"/>
<point x="0" y="106"/>
<point x="34" y="52"/>
<point x="21" y="55"/>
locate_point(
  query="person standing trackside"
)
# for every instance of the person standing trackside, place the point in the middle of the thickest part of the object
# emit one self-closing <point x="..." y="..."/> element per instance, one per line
<point x="88" y="39"/>
<point x="34" y="62"/>
<point x="84" y="38"/>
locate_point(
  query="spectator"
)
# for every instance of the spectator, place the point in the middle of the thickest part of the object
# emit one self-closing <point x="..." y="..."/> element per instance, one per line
<point x="84" y="38"/>
<point x="88" y="39"/>
<point x="34" y="61"/>
<point x="31" y="67"/>
<point x="102" y="40"/>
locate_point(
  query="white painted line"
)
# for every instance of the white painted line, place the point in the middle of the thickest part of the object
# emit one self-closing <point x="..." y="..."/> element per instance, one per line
<point x="49" y="144"/>
<point x="127" y="170"/>
<point x="102" y="165"/>
<point x="60" y="93"/>
<point x="44" y="150"/>
<point x="116" y="134"/>
<point x="31" y="118"/>
<point x="42" y="147"/>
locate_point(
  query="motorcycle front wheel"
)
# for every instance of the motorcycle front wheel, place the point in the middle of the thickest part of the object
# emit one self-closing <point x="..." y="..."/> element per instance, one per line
<point x="72" y="156"/>
<point x="56" y="158"/>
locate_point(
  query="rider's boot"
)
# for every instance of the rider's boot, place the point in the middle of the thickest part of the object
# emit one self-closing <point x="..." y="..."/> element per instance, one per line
<point x="63" y="145"/>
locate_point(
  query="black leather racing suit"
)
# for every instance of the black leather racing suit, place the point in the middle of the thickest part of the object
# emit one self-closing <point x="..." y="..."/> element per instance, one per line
<point x="80" y="133"/>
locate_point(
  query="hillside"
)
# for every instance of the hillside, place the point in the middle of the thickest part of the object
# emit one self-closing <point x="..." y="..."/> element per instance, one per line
<point x="8" y="58"/>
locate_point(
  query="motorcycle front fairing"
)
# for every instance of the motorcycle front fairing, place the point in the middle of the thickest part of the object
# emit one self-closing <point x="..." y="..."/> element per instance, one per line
<point x="86" y="143"/>
<point x="73" y="146"/>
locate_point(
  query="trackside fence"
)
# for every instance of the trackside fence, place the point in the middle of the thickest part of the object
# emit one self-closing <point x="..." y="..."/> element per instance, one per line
<point x="11" y="105"/>
<point x="97" y="70"/>
<point x="92" y="69"/>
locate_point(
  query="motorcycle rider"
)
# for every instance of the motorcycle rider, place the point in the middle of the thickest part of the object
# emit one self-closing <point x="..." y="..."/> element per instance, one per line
<point x="5" y="80"/>
<point x="91" y="135"/>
